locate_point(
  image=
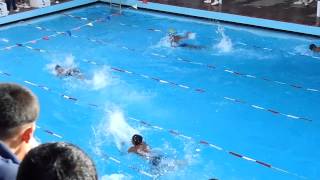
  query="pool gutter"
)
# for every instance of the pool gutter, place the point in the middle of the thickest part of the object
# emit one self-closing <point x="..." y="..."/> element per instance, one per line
<point x="245" y="20"/>
<point x="232" y="18"/>
<point x="43" y="11"/>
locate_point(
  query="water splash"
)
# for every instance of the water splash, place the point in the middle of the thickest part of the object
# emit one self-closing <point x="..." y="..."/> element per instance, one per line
<point x="225" y="45"/>
<point x="67" y="63"/>
<point x="192" y="36"/>
<point x="115" y="177"/>
<point x="164" y="42"/>
<point x="116" y="128"/>
<point x="101" y="78"/>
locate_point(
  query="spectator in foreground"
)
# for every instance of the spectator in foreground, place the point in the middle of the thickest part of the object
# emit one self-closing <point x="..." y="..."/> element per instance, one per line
<point x="19" y="109"/>
<point x="57" y="161"/>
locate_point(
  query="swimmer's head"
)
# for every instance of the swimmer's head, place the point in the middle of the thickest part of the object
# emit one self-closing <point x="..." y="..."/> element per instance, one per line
<point x="312" y="47"/>
<point x="172" y="32"/>
<point x="57" y="67"/>
<point x="137" y="139"/>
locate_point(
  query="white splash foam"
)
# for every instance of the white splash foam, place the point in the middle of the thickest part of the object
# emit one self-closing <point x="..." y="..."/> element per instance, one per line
<point x="164" y="42"/>
<point x="118" y="127"/>
<point x="225" y="45"/>
<point x="192" y="36"/>
<point x="115" y="177"/>
<point x="67" y="63"/>
<point x="114" y="127"/>
<point x="100" y="79"/>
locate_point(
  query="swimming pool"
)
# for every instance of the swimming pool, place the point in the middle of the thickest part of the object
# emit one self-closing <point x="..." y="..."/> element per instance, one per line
<point x="243" y="107"/>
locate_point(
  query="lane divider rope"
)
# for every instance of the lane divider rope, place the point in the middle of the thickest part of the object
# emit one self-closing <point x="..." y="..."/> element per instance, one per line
<point x="209" y="66"/>
<point x="172" y="132"/>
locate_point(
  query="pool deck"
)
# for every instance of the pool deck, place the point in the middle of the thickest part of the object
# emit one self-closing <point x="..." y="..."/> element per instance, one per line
<point x="273" y="14"/>
<point x="279" y="10"/>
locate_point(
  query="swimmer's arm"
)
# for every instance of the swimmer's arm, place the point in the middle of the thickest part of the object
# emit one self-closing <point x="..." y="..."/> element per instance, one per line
<point x="131" y="149"/>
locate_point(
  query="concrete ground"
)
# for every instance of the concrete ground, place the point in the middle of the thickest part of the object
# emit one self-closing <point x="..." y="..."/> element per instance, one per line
<point x="281" y="10"/>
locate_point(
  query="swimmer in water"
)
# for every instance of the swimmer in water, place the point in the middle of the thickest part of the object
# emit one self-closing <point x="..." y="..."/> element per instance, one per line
<point x="142" y="149"/>
<point x="175" y="40"/>
<point x="60" y="71"/>
<point x="314" y="48"/>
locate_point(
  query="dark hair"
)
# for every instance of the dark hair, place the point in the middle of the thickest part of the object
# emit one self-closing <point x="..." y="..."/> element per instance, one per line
<point x="137" y="139"/>
<point x="57" y="67"/>
<point x="57" y="161"/>
<point x="18" y="106"/>
<point x="312" y="46"/>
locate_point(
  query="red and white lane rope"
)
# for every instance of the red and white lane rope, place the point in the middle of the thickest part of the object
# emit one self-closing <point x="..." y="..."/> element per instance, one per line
<point x="172" y="132"/>
<point x="209" y="66"/>
<point x="201" y="90"/>
<point x="216" y="147"/>
<point x="59" y="136"/>
<point x="46" y="38"/>
<point x="186" y="87"/>
<point x="198" y="90"/>
<point x="244" y="44"/>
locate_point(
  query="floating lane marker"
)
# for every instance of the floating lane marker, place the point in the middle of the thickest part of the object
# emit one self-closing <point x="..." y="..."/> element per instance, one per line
<point x="210" y="66"/>
<point x="46" y="37"/>
<point x="172" y="132"/>
<point x="50" y="132"/>
<point x="183" y="86"/>
<point x="198" y="90"/>
<point x="240" y="43"/>
<point x="219" y="148"/>
<point x="113" y="159"/>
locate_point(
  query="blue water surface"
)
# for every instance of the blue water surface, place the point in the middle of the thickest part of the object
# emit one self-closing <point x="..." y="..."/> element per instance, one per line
<point x="108" y="101"/>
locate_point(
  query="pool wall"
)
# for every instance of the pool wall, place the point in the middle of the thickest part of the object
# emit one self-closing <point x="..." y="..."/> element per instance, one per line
<point x="265" y="23"/>
<point x="42" y="11"/>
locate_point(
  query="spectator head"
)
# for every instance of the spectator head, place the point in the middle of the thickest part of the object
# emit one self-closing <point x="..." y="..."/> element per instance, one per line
<point x="137" y="139"/>
<point x="19" y="109"/>
<point x="57" y="161"/>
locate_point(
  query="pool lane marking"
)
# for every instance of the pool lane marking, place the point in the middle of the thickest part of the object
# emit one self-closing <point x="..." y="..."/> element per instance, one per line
<point x="47" y="37"/>
<point x="50" y="132"/>
<point x="146" y="124"/>
<point x="209" y="66"/>
<point x="244" y="44"/>
<point x="219" y="148"/>
<point x="113" y="159"/>
<point x="198" y="90"/>
<point x="183" y="86"/>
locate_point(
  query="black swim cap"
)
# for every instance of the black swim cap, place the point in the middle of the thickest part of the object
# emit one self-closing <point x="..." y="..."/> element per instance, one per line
<point x="137" y="139"/>
<point x="312" y="46"/>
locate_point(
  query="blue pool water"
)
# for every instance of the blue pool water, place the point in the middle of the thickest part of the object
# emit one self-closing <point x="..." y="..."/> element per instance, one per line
<point x="245" y="106"/>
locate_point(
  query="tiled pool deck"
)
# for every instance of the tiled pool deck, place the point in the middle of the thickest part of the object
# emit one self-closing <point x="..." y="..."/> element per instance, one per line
<point x="280" y="10"/>
<point x="274" y="14"/>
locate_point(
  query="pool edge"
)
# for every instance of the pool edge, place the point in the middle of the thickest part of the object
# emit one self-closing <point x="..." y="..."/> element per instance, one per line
<point x="226" y="17"/>
<point x="44" y="11"/>
<point x="231" y="18"/>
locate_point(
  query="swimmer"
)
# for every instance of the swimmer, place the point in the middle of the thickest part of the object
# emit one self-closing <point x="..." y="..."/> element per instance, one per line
<point x="175" y="40"/>
<point x="139" y="146"/>
<point x="60" y="71"/>
<point x="314" y="48"/>
<point x="142" y="149"/>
